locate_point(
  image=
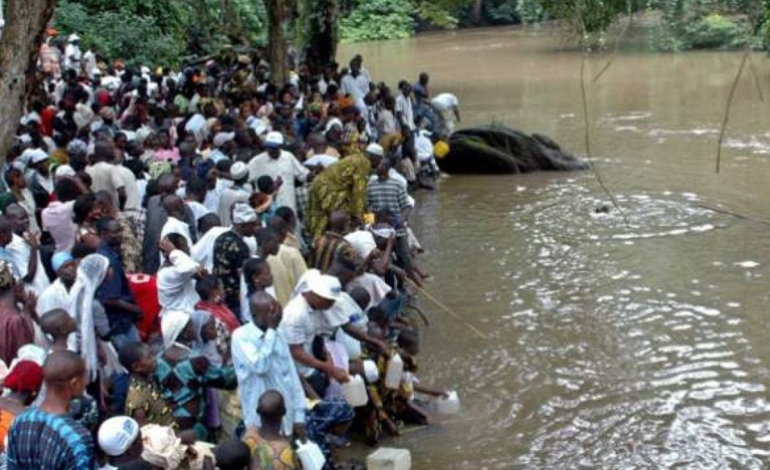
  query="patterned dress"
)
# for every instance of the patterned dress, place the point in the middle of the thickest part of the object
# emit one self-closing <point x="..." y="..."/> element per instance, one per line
<point x="183" y="385"/>
<point x="144" y="395"/>
<point x="270" y="455"/>
<point x="341" y="187"/>
<point x="230" y="252"/>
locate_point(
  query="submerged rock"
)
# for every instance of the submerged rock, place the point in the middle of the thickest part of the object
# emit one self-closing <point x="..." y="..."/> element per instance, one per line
<point x="498" y="149"/>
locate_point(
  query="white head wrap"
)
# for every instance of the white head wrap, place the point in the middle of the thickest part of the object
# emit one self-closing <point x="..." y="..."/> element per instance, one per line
<point x="161" y="447"/>
<point x="90" y="276"/>
<point x="243" y="213"/>
<point x="117" y="435"/>
<point x="172" y="325"/>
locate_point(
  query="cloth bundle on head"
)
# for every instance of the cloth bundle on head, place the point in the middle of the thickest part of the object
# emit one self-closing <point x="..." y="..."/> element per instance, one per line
<point x="60" y="259"/>
<point x="6" y="275"/>
<point x="161" y="447"/>
<point x="363" y="242"/>
<point x="243" y="213"/>
<point x="25" y="377"/>
<point x="91" y="273"/>
<point x="172" y="325"/>
<point x="117" y="435"/>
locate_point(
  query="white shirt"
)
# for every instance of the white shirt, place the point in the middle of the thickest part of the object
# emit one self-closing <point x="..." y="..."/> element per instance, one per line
<point x="356" y="87"/>
<point x="404" y="106"/>
<point x="72" y="57"/>
<point x="445" y="101"/>
<point x="287" y="167"/>
<point x="262" y="362"/>
<point x="176" y="286"/>
<point x="53" y="297"/>
<point x="198" y="209"/>
<point x="301" y="324"/>
<point x="20" y="253"/>
<point x="203" y="251"/>
<point x="106" y="177"/>
<point x="133" y="197"/>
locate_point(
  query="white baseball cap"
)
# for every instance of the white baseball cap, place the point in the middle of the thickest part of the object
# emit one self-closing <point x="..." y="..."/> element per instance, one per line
<point x="325" y="286"/>
<point x="117" y="435"/>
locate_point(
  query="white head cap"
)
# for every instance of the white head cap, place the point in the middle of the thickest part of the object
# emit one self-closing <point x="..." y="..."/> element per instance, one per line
<point x="376" y="150"/>
<point x="274" y="139"/>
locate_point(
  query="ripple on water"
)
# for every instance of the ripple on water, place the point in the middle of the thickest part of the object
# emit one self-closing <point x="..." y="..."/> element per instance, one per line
<point x="636" y="376"/>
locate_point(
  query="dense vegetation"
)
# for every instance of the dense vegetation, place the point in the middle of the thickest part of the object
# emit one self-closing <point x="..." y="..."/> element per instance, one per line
<point x="165" y="31"/>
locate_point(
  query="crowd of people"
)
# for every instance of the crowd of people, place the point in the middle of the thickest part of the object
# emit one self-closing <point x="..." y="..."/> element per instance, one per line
<point x="194" y="266"/>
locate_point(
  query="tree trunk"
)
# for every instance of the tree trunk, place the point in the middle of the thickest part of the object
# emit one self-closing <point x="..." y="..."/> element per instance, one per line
<point x="25" y="25"/>
<point x="277" y="50"/>
<point x="322" y="46"/>
<point x="476" y="11"/>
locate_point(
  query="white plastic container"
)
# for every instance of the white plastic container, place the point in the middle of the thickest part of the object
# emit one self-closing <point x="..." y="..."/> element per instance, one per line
<point x="352" y="345"/>
<point x="371" y="372"/>
<point x="448" y="406"/>
<point x="394" y="372"/>
<point x="310" y="456"/>
<point x="355" y="392"/>
<point x="386" y="458"/>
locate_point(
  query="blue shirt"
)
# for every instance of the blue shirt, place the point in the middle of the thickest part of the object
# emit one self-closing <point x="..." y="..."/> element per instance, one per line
<point x="42" y="441"/>
<point x="115" y="287"/>
<point x="263" y="362"/>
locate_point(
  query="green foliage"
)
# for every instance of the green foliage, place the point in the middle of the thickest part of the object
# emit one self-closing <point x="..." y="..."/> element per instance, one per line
<point x="531" y="11"/>
<point x="161" y="31"/>
<point x="505" y="12"/>
<point x="119" y="35"/>
<point x="372" y="20"/>
<point x="715" y="32"/>
<point x="437" y="15"/>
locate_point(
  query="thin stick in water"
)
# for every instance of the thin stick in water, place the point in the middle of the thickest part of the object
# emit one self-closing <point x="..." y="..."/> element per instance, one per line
<point x="729" y="105"/>
<point x="587" y="136"/>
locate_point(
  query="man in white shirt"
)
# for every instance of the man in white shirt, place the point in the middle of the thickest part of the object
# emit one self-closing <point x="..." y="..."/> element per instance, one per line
<point x="447" y="106"/>
<point x="104" y="175"/>
<point x="176" y="223"/>
<point x="310" y="314"/>
<point x="277" y="163"/>
<point x="263" y="362"/>
<point x="203" y="250"/>
<point x="72" y="53"/>
<point x="24" y="250"/>
<point x="355" y="84"/>
<point x="176" y="277"/>
<point x="57" y="295"/>
<point x="404" y="107"/>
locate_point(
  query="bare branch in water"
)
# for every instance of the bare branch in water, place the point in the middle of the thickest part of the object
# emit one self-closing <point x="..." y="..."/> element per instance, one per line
<point x="757" y="83"/>
<point x="587" y="134"/>
<point x="618" y="40"/>
<point x="729" y="105"/>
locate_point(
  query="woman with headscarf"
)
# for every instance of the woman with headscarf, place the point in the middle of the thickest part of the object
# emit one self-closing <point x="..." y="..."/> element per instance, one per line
<point x="184" y="374"/>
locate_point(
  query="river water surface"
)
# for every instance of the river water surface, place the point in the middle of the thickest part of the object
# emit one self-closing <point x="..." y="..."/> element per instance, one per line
<point x="636" y="343"/>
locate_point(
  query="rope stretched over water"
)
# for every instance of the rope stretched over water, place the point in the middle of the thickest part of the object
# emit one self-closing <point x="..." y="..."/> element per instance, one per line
<point x="448" y="310"/>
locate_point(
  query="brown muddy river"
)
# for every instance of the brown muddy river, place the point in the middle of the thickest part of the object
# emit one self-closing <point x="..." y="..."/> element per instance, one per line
<point x="611" y="345"/>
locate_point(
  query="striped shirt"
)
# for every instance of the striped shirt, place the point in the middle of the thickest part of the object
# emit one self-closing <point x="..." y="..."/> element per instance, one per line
<point x="44" y="441"/>
<point x="388" y="194"/>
